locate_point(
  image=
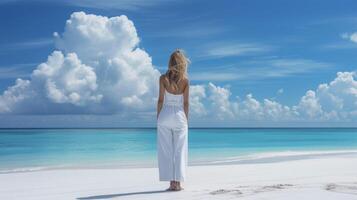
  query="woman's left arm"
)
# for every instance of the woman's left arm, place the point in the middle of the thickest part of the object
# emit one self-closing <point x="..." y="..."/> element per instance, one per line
<point x="161" y="96"/>
<point x="186" y="97"/>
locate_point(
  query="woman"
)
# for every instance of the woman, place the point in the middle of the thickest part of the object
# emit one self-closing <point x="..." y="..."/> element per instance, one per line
<point x="172" y="118"/>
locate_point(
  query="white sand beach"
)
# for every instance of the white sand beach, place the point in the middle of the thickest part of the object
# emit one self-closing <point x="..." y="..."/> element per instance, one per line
<point x="332" y="177"/>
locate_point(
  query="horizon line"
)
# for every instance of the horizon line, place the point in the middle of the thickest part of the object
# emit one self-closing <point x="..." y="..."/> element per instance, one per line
<point x="248" y="127"/>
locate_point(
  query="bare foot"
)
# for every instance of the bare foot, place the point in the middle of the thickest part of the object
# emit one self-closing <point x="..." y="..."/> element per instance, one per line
<point x="177" y="186"/>
<point x="172" y="186"/>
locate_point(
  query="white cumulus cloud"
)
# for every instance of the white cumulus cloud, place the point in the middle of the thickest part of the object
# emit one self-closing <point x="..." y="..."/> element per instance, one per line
<point x="334" y="101"/>
<point x="197" y="95"/>
<point x="220" y="101"/>
<point x="309" y="105"/>
<point x="14" y="94"/>
<point x="97" y="68"/>
<point x="66" y="80"/>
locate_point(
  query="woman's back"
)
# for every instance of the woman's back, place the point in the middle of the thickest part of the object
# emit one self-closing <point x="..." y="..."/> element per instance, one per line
<point x="173" y="99"/>
<point x="172" y="113"/>
<point x="181" y="85"/>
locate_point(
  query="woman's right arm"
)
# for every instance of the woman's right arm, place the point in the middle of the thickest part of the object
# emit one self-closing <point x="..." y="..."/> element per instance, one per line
<point x="186" y="97"/>
<point x="160" y="101"/>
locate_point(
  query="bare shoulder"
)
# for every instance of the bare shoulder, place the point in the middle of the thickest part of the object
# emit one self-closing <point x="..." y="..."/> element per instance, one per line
<point x="162" y="78"/>
<point x="186" y="81"/>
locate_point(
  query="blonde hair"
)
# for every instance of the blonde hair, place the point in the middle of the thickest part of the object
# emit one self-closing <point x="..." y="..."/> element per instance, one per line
<point x="177" y="68"/>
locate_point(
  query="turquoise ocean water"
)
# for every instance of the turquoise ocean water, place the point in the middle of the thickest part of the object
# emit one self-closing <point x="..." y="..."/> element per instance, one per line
<point x="36" y="149"/>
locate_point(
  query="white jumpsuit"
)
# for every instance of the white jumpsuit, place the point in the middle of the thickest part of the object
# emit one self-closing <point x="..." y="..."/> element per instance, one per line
<point x="172" y="139"/>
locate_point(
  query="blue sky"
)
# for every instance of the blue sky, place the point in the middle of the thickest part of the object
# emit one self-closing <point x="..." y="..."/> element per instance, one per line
<point x="275" y="50"/>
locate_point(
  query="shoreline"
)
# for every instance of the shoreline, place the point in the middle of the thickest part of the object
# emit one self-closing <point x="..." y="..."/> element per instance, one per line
<point x="253" y="158"/>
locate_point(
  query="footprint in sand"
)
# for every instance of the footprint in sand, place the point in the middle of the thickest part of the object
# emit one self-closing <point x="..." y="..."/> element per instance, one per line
<point x="348" y="188"/>
<point x="250" y="190"/>
<point x="223" y="191"/>
<point x="269" y="188"/>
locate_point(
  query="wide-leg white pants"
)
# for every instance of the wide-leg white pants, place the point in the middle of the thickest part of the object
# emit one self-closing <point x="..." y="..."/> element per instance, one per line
<point x="172" y="152"/>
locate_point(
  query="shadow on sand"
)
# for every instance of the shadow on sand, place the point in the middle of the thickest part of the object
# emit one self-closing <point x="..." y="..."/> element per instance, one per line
<point x="109" y="196"/>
